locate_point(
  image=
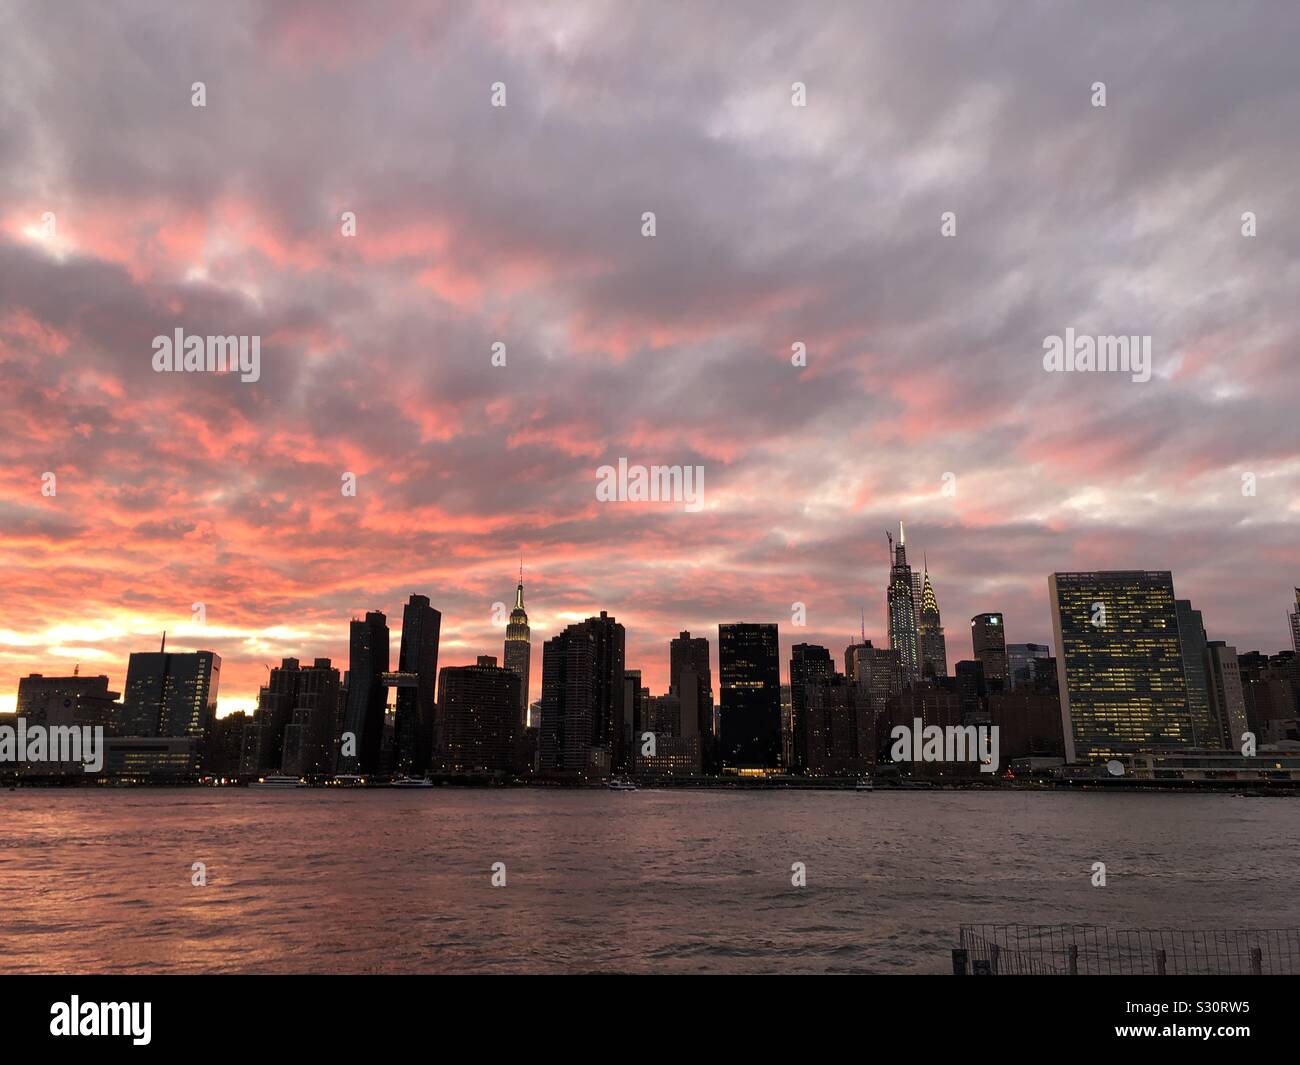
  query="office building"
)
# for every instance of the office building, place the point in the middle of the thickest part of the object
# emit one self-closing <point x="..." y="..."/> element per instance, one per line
<point x="750" y="697"/>
<point x="1121" y="681"/>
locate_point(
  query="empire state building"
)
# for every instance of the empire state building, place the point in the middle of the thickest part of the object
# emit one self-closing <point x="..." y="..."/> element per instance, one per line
<point x="519" y="648"/>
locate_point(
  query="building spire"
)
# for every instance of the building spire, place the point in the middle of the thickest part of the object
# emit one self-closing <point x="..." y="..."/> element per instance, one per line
<point x="519" y="592"/>
<point x="902" y="539"/>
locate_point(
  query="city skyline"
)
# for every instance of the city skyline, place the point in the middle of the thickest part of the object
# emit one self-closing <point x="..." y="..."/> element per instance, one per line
<point x="656" y="674"/>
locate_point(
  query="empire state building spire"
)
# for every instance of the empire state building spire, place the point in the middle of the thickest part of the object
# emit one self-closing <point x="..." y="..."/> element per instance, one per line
<point x="519" y="648"/>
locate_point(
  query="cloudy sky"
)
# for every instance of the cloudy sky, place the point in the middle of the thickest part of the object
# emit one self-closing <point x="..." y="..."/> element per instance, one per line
<point x="775" y="225"/>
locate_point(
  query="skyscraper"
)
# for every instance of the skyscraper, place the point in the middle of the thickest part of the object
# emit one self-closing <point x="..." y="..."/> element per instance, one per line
<point x="363" y="720"/>
<point x="611" y="725"/>
<point x="1227" y="702"/>
<point x="170" y="693"/>
<point x="1120" y="663"/>
<point x="1191" y="638"/>
<point x="480" y="713"/>
<point x="901" y="610"/>
<point x="933" y="648"/>
<point x="750" y="696"/>
<point x="1295" y="624"/>
<point x="1021" y="659"/>
<point x="568" y="700"/>
<point x="690" y="678"/>
<point x="808" y="662"/>
<point x="75" y="700"/>
<point x="309" y="737"/>
<point x="413" y="726"/>
<point x="989" y="639"/>
<point x="519" y="648"/>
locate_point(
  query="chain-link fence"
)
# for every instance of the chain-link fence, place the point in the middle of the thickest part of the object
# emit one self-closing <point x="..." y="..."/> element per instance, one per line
<point x="1097" y="950"/>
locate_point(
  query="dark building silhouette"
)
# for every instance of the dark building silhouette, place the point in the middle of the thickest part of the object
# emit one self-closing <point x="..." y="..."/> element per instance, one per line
<point x="264" y="740"/>
<point x="750" y="690"/>
<point x="934" y="705"/>
<point x="367" y="695"/>
<point x="611" y="724"/>
<point x="1192" y="641"/>
<point x="1028" y="723"/>
<point x="225" y="745"/>
<point x="170" y="694"/>
<point x="828" y="732"/>
<point x="308" y="744"/>
<point x="519" y="648"/>
<point x="480" y="715"/>
<point x="989" y="639"/>
<point x="808" y="663"/>
<point x="1021" y="659"/>
<point x="972" y="692"/>
<point x="568" y="701"/>
<point x="76" y="700"/>
<point x="413" y="724"/>
<point x="690" y="678"/>
<point x="1227" y="700"/>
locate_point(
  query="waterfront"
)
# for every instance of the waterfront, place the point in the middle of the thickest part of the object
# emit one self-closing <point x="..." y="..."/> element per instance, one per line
<point x="341" y="880"/>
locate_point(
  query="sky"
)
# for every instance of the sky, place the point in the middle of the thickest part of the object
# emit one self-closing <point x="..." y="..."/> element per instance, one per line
<point x="127" y="212"/>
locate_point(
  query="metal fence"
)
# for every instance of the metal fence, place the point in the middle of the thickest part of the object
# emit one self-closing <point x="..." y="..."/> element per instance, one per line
<point x="1097" y="950"/>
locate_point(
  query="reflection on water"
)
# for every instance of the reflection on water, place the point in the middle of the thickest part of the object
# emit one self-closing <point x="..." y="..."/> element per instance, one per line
<point x="390" y="881"/>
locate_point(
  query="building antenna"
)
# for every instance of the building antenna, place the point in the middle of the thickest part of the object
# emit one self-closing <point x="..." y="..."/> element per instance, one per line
<point x="163" y="648"/>
<point x="864" y="624"/>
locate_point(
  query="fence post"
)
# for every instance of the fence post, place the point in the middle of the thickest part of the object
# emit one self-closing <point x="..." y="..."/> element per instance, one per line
<point x="993" y="958"/>
<point x="1160" y="963"/>
<point x="1257" y="961"/>
<point x="959" y="957"/>
<point x="1074" y="959"/>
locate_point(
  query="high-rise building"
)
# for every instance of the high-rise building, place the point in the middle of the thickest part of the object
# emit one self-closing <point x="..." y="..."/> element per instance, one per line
<point x="1295" y="624"/>
<point x="972" y="692"/>
<point x="1227" y="702"/>
<point x="519" y="647"/>
<point x="77" y="701"/>
<point x="611" y="725"/>
<point x="1021" y="659"/>
<point x="264" y="736"/>
<point x="308" y="747"/>
<point x="414" y="722"/>
<point x="828" y="731"/>
<point x="568" y="700"/>
<point x="480" y="713"/>
<point x="989" y="638"/>
<point x="750" y="697"/>
<point x="808" y="663"/>
<point x="932" y="646"/>
<point x="901" y="610"/>
<point x="690" y="678"/>
<point x="1122" y="686"/>
<point x="363" y="720"/>
<point x="171" y="694"/>
<point x="1191" y="637"/>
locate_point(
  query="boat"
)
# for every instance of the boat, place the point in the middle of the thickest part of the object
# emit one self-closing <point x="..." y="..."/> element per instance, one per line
<point x="411" y="782"/>
<point x="277" y="781"/>
<point x="620" y="785"/>
<point x="864" y="785"/>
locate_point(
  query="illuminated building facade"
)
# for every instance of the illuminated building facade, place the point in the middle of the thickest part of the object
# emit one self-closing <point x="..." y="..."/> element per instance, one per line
<point x="1121" y="680"/>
